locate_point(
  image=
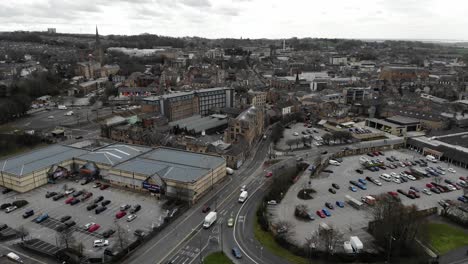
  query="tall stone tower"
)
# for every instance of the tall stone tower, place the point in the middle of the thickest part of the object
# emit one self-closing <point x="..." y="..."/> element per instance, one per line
<point x="98" y="53"/>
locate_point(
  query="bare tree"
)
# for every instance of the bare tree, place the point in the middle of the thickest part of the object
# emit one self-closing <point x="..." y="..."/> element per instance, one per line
<point x="66" y="239"/>
<point x="290" y="142"/>
<point x="122" y="236"/>
<point x="22" y="232"/>
<point x="326" y="239"/>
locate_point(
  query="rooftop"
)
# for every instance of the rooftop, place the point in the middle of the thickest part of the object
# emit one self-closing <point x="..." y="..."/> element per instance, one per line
<point x="173" y="164"/>
<point x="114" y="154"/>
<point x="39" y="159"/>
<point x="403" y="120"/>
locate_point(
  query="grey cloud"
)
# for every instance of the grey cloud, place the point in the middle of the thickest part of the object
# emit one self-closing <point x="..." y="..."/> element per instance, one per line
<point x="229" y="11"/>
<point x="196" y="3"/>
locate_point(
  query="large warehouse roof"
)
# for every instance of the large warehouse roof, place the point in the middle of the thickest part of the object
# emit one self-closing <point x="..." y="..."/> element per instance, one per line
<point x="172" y="164"/>
<point x="39" y="159"/>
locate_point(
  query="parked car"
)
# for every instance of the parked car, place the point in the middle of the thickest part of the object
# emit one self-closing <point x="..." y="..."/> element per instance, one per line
<point x="6" y="190"/>
<point x="340" y="204"/>
<point x="137" y="208"/>
<point x="124" y="207"/>
<point x="104" y="186"/>
<point x="28" y="213"/>
<point x="362" y="181"/>
<point x="58" y="196"/>
<point x="50" y="194"/>
<point x="65" y="218"/>
<point x="70" y="223"/>
<point x="93" y="228"/>
<point x="272" y="202"/>
<point x="332" y="190"/>
<point x="100" y="209"/>
<point x="426" y="191"/>
<point x="120" y="214"/>
<point x="86" y="196"/>
<point x="139" y="233"/>
<point x="359" y="171"/>
<point x="435" y="190"/>
<point x="105" y="202"/>
<point x="321" y="214"/>
<point x="74" y="201"/>
<point x="97" y="185"/>
<point x="11" y="209"/>
<point x="326" y="212"/>
<point x="98" y="199"/>
<point x="70" y="191"/>
<point x="108" y="233"/>
<point x="336" y="186"/>
<point x="100" y="243"/>
<point x="78" y="193"/>
<point x="69" y="200"/>
<point x="131" y="217"/>
<point x="41" y="218"/>
<point x="91" y="206"/>
<point x="329" y="205"/>
<point x="352" y="188"/>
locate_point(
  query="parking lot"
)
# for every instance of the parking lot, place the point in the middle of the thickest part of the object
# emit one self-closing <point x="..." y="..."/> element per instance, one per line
<point x="349" y="220"/>
<point x="149" y="216"/>
<point x="301" y="130"/>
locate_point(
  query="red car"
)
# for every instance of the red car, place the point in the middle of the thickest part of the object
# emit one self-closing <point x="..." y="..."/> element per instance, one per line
<point x="393" y="194"/>
<point x="376" y="153"/>
<point x="93" y="228"/>
<point x="269" y="174"/>
<point x="105" y="186"/>
<point x="69" y="200"/>
<point x="206" y="208"/>
<point x="414" y="193"/>
<point x="86" y="196"/>
<point x="321" y="214"/>
<point x="463" y="178"/>
<point x="120" y="214"/>
<point x="429" y="185"/>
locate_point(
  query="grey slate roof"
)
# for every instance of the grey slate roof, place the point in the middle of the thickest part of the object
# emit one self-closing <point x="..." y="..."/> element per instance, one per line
<point x="39" y="159"/>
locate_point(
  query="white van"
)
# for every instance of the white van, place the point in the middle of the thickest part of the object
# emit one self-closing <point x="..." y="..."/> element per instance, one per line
<point x="334" y="162"/>
<point x="386" y="177"/>
<point x="431" y="158"/>
<point x="62" y="107"/>
<point x="229" y="171"/>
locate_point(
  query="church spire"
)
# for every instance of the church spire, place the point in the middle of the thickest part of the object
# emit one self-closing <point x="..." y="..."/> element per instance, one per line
<point x="97" y="35"/>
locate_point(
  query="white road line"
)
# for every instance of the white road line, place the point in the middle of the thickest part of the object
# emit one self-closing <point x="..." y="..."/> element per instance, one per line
<point x="21" y="254"/>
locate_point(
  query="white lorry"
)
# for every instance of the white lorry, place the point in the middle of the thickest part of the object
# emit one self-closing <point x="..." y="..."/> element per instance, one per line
<point x="243" y="196"/>
<point x="356" y="243"/>
<point x="210" y="218"/>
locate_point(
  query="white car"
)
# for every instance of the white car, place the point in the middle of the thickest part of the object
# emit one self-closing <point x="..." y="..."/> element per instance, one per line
<point x="396" y="180"/>
<point x="88" y="225"/>
<point x="386" y="177"/>
<point x="451" y="187"/>
<point x="402" y="164"/>
<point x="426" y="191"/>
<point x="377" y="182"/>
<point x="411" y="177"/>
<point x="101" y="243"/>
<point x="131" y="217"/>
<point x="10" y="209"/>
<point x="50" y="117"/>
<point x="393" y="174"/>
<point x="296" y="134"/>
<point x="69" y="191"/>
<point x="272" y="202"/>
<point x="451" y="170"/>
<point x="403" y="174"/>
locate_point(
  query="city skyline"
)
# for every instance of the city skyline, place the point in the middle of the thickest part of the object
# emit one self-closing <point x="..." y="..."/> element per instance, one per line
<point x="415" y="19"/>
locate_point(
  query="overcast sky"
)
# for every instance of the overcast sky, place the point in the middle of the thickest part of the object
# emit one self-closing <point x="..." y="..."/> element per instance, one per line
<point x="390" y="19"/>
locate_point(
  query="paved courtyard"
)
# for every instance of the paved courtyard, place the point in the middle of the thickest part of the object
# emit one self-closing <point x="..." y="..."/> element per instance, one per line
<point x="349" y="220"/>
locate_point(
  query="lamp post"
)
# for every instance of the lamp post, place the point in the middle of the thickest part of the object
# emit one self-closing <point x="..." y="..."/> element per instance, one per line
<point x="391" y="238"/>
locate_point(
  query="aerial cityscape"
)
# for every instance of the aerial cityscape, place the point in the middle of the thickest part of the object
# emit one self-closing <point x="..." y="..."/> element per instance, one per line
<point x="233" y="131"/>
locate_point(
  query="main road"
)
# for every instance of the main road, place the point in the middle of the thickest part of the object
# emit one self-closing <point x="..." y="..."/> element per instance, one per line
<point x="173" y="237"/>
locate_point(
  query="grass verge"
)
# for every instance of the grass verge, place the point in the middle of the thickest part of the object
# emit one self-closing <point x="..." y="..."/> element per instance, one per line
<point x="445" y="238"/>
<point x="268" y="241"/>
<point x="217" y="258"/>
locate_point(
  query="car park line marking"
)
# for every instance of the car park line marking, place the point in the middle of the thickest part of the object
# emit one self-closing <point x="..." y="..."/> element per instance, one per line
<point x="23" y="255"/>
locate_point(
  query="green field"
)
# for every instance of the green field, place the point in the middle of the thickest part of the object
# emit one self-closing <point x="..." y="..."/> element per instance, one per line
<point x="217" y="258"/>
<point x="268" y="241"/>
<point x="445" y="238"/>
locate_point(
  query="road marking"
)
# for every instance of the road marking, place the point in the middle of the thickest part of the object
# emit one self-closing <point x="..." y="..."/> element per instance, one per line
<point x="234" y="229"/>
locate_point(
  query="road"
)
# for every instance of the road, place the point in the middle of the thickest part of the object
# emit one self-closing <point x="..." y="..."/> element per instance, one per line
<point x="172" y="240"/>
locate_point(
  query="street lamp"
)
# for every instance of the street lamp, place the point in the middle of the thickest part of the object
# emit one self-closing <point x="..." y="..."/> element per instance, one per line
<point x="391" y="238"/>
